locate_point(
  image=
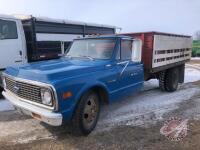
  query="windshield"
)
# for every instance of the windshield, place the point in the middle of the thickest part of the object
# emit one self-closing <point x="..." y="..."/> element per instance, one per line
<point x="92" y="48"/>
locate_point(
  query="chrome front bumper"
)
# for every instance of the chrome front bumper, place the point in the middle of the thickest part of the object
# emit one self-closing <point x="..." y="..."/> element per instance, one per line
<point x="44" y="115"/>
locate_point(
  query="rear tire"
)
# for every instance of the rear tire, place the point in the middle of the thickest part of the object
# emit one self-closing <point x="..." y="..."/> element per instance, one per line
<point x="162" y="81"/>
<point x="172" y="80"/>
<point x="86" y="114"/>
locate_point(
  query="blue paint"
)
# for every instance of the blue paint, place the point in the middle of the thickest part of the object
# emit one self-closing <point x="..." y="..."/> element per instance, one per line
<point x="78" y="75"/>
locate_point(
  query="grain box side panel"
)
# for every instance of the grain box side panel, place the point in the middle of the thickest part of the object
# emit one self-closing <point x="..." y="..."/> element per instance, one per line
<point x="170" y="50"/>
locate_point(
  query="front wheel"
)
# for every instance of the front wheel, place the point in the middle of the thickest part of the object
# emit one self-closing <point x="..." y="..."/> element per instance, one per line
<point x="86" y="114"/>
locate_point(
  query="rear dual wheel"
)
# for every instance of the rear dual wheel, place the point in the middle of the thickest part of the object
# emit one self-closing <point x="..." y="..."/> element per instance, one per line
<point x="162" y="80"/>
<point x="168" y="81"/>
<point x="172" y="80"/>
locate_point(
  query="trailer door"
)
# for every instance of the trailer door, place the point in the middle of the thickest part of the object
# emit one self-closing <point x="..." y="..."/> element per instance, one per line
<point x="11" y="47"/>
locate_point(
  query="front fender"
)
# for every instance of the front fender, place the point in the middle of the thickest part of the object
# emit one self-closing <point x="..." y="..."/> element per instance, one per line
<point x="68" y="106"/>
<point x="87" y="87"/>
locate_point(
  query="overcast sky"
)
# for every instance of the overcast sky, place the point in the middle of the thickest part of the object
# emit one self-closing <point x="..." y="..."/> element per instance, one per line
<point x="175" y="16"/>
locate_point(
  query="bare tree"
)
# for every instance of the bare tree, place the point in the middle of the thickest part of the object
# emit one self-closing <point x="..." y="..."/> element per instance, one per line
<point x="197" y="35"/>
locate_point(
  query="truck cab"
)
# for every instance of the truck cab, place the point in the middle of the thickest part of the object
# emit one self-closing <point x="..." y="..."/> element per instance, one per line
<point x="70" y="89"/>
<point x="12" y="42"/>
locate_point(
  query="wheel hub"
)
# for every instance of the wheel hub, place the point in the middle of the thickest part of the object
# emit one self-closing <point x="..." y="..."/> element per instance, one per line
<point x="90" y="111"/>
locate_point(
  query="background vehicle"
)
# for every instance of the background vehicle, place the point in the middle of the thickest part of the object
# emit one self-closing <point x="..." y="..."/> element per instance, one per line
<point x="96" y="70"/>
<point x="29" y="39"/>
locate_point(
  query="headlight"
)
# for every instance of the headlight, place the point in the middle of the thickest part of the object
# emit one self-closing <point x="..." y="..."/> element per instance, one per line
<point x="46" y="96"/>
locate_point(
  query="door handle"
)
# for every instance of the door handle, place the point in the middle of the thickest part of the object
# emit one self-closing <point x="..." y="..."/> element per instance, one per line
<point x="20" y="53"/>
<point x="109" y="66"/>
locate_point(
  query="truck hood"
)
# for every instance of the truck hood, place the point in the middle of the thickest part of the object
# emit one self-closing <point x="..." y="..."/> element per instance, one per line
<point x="53" y="70"/>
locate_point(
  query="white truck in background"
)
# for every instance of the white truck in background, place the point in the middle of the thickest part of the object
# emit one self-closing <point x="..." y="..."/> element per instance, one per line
<point x="28" y="39"/>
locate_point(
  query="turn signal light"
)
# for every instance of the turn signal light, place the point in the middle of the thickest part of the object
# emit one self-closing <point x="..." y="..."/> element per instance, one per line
<point x="67" y="95"/>
<point x="36" y="116"/>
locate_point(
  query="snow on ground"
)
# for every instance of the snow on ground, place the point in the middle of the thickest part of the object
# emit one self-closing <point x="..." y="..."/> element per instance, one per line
<point x="196" y="66"/>
<point x="144" y="108"/>
<point x="192" y="74"/>
<point x="5" y="105"/>
<point x="151" y="84"/>
<point x="195" y="58"/>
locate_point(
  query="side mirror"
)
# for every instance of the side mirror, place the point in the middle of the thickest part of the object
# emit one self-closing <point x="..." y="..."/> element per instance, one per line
<point x="137" y="50"/>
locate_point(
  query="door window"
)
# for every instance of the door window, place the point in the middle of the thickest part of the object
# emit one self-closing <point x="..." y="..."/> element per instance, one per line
<point x="8" y="30"/>
<point x="126" y="49"/>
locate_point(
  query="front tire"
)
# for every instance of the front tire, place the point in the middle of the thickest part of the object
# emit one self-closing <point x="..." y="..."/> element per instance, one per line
<point x="86" y="114"/>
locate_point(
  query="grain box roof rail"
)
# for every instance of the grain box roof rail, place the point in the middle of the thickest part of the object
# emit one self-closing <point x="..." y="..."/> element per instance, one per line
<point x="61" y="21"/>
<point x="159" y="33"/>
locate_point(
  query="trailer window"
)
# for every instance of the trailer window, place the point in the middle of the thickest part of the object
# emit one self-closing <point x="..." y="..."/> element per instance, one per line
<point x="8" y="30"/>
<point x="126" y="49"/>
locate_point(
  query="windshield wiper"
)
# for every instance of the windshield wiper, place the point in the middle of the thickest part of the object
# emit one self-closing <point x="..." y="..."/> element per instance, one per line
<point x="89" y="57"/>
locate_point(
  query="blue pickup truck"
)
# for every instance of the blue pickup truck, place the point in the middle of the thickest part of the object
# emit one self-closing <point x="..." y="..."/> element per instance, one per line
<point x="93" y="71"/>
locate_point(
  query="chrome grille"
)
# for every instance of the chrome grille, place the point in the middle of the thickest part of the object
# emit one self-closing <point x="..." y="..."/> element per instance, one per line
<point x="24" y="90"/>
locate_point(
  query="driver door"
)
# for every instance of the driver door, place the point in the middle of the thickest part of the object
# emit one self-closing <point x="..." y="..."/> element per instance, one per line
<point x="130" y="73"/>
